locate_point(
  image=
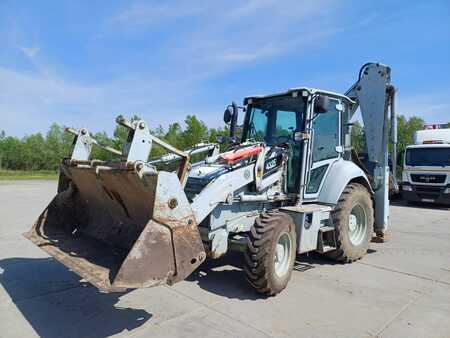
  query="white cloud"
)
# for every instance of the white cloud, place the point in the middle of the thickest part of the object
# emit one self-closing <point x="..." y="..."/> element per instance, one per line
<point x="30" y="52"/>
<point x="31" y="102"/>
<point x="228" y="34"/>
<point x="224" y="36"/>
<point x="145" y="13"/>
<point x="433" y="108"/>
<point x="250" y="7"/>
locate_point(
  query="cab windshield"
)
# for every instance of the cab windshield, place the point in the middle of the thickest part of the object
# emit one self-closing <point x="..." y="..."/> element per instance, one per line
<point x="273" y="121"/>
<point x="428" y="156"/>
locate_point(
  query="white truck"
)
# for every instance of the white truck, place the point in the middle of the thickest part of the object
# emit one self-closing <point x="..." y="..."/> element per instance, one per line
<point x="426" y="167"/>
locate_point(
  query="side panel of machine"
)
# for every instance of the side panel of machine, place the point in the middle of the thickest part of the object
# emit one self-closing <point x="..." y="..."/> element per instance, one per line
<point x="225" y="220"/>
<point x="339" y="175"/>
<point x="220" y="189"/>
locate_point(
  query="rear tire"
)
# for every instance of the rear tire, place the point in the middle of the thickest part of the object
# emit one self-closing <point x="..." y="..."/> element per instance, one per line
<point x="271" y="250"/>
<point x="353" y="220"/>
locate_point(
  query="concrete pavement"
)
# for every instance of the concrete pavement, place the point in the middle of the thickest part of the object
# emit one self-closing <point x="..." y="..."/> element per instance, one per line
<point x="400" y="289"/>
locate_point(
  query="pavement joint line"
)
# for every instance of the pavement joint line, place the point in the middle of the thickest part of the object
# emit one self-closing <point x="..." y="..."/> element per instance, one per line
<point x="405" y="273"/>
<point x="403" y="309"/>
<point x="220" y="312"/>
<point x="149" y="325"/>
<point x="46" y="294"/>
<point x="422" y="233"/>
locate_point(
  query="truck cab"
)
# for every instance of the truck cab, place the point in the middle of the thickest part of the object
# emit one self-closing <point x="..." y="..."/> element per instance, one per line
<point x="426" y="168"/>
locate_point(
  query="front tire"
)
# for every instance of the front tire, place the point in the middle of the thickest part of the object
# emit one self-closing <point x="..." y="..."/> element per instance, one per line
<point x="271" y="250"/>
<point x="353" y="220"/>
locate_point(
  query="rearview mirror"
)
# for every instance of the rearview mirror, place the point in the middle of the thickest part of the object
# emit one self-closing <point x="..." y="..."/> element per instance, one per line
<point x="300" y="136"/>
<point x="321" y="104"/>
<point x="227" y="114"/>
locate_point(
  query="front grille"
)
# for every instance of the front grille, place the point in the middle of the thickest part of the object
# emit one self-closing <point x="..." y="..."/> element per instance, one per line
<point x="429" y="191"/>
<point x="428" y="178"/>
<point x="428" y="188"/>
<point x="428" y="195"/>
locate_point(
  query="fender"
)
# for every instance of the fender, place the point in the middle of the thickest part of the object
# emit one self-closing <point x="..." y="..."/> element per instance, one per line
<point x="340" y="174"/>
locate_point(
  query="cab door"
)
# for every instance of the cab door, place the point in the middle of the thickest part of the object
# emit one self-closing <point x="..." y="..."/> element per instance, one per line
<point x="325" y="148"/>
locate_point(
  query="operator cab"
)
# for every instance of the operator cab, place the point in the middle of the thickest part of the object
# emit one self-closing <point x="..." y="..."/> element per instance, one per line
<point x="287" y="119"/>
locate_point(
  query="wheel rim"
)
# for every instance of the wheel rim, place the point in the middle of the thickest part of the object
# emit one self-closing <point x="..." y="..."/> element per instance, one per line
<point x="357" y="224"/>
<point x="283" y="254"/>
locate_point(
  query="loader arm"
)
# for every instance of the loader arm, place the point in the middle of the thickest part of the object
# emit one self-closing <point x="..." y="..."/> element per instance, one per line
<point x="375" y="97"/>
<point x="121" y="224"/>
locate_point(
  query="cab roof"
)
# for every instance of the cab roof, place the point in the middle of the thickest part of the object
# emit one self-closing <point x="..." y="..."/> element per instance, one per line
<point x="429" y="145"/>
<point x="298" y="90"/>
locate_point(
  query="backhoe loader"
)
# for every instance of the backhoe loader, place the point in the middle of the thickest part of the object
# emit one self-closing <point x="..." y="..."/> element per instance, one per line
<point x="286" y="186"/>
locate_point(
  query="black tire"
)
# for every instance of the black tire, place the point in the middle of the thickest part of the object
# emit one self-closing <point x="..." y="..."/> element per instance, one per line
<point x="354" y="197"/>
<point x="259" y="258"/>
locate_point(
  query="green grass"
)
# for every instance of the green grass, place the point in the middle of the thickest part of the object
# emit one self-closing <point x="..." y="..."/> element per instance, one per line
<point x="28" y="175"/>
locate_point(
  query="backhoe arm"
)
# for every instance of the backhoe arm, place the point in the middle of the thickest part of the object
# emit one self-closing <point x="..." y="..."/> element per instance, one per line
<point x="374" y="96"/>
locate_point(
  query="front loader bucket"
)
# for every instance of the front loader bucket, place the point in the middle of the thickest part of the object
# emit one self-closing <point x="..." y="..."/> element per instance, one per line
<point x="118" y="230"/>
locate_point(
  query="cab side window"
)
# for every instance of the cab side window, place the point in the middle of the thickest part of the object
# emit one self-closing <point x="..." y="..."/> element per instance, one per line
<point x="326" y="134"/>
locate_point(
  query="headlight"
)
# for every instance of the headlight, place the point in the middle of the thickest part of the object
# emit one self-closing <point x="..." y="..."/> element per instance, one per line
<point x="447" y="191"/>
<point x="407" y="188"/>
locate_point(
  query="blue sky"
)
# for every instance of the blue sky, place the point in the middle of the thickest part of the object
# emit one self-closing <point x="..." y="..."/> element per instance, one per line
<point x="81" y="63"/>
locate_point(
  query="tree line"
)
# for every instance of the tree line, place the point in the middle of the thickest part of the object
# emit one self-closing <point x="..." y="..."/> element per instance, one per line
<point x="405" y="133"/>
<point x="44" y="152"/>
